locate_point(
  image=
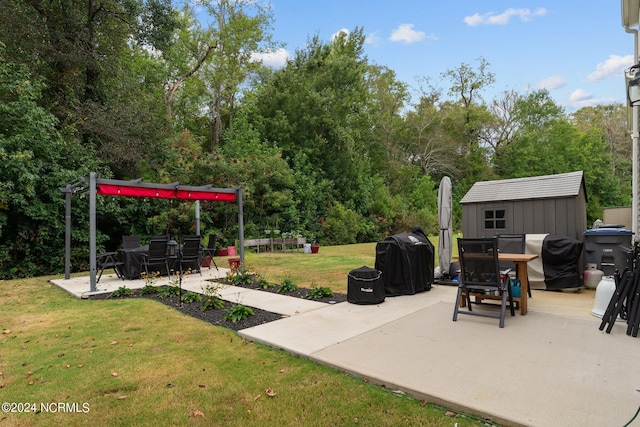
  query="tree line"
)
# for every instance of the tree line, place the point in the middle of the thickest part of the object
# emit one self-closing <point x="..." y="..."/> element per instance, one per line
<point x="331" y="146"/>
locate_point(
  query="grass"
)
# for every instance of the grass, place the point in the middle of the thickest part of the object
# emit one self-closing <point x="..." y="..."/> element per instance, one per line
<point x="136" y="362"/>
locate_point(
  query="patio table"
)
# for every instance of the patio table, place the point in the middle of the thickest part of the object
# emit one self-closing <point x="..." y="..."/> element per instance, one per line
<point x="132" y="261"/>
<point x="520" y="260"/>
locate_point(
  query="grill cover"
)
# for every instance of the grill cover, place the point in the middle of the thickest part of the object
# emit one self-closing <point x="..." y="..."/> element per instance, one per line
<point x="406" y="261"/>
<point x="364" y="286"/>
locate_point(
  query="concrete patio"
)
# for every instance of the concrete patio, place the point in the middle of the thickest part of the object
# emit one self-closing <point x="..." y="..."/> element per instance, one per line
<point x="552" y="367"/>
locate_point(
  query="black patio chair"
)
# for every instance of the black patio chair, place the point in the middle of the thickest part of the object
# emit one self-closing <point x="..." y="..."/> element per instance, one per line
<point x="480" y="274"/>
<point x="210" y="250"/>
<point x="512" y="244"/>
<point x="107" y="261"/>
<point x="130" y="242"/>
<point x="191" y="254"/>
<point x="157" y="255"/>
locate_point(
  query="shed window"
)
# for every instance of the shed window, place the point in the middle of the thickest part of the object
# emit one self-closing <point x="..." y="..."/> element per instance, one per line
<point x="494" y="219"/>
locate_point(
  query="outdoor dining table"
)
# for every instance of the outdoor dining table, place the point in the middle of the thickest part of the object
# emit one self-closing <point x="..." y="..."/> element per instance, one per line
<point x="520" y="260"/>
<point x="132" y="261"/>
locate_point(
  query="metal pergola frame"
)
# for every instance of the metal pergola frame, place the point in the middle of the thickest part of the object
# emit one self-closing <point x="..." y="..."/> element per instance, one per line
<point x="136" y="188"/>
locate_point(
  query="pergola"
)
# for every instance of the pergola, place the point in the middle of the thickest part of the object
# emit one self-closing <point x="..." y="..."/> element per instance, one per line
<point x="136" y="188"/>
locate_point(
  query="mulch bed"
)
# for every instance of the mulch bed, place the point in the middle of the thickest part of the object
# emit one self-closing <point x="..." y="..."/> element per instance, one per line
<point x="216" y="317"/>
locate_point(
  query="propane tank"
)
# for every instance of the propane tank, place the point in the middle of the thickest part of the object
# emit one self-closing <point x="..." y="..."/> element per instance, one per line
<point x="592" y="276"/>
<point x="604" y="292"/>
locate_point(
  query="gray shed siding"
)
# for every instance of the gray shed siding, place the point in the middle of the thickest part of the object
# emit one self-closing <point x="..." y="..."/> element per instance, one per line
<point x="564" y="216"/>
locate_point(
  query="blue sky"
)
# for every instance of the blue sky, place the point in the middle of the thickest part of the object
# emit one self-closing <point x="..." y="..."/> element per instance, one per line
<point x="578" y="50"/>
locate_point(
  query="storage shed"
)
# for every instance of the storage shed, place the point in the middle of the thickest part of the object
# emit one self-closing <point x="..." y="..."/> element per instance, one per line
<point x="549" y="204"/>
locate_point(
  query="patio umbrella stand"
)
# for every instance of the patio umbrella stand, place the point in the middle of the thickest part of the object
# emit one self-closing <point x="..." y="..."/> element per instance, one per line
<point x="625" y="301"/>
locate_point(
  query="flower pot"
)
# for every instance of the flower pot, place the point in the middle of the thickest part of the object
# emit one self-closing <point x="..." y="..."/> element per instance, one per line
<point x="206" y="261"/>
<point x="223" y="252"/>
<point x="231" y="250"/>
<point x="315" y="249"/>
<point x="234" y="264"/>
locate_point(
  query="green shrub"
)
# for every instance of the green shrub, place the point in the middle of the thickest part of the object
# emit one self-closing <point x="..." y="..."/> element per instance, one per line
<point x="190" y="297"/>
<point x="238" y="312"/>
<point x="211" y="300"/>
<point x="287" y="285"/>
<point x="121" y="292"/>
<point x="149" y="290"/>
<point x="168" y="291"/>
<point x="317" y="293"/>
<point x="264" y="284"/>
<point x="240" y="277"/>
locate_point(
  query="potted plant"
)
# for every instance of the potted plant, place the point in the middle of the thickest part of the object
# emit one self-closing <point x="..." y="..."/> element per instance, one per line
<point x="223" y="244"/>
<point x="315" y="247"/>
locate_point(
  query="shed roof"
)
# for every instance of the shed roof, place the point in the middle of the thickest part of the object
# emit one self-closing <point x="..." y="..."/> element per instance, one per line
<point x="536" y="187"/>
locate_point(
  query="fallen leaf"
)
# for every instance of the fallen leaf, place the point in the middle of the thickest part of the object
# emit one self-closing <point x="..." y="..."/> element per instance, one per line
<point x="257" y="397"/>
<point x="270" y="392"/>
<point x="60" y="354"/>
<point x="114" y="374"/>
<point x="450" y="414"/>
<point x="197" y="412"/>
<point x="170" y="385"/>
<point x="28" y="375"/>
<point x="202" y="386"/>
<point x="114" y="342"/>
<point x="80" y="365"/>
<point x="31" y="382"/>
<point x="6" y="331"/>
<point x="124" y="396"/>
<point x="281" y="371"/>
<point x="423" y="402"/>
<point x="356" y="420"/>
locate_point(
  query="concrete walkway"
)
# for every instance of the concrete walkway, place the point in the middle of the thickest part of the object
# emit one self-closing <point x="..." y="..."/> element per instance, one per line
<point x="552" y="367"/>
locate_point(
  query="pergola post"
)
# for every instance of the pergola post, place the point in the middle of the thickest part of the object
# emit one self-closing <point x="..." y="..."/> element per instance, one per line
<point x="92" y="230"/>
<point x="240" y="224"/>
<point x="67" y="232"/>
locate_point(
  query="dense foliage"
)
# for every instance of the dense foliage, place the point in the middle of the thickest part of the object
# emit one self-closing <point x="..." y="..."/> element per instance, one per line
<point x="330" y="146"/>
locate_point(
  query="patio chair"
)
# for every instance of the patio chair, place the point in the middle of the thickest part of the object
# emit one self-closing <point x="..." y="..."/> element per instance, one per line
<point x="130" y="242"/>
<point x="210" y="250"/>
<point x="157" y="255"/>
<point x="512" y="244"/>
<point x="190" y="255"/>
<point x="480" y="274"/>
<point x="106" y="261"/>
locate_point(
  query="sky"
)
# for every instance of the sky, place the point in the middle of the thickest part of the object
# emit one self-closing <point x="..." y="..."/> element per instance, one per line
<point x="578" y="50"/>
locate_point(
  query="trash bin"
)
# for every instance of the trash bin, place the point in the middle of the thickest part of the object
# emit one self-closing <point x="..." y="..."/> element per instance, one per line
<point x="609" y="248"/>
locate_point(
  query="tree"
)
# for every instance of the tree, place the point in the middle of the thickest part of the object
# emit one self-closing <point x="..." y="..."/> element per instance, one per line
<point x="316" y="106"/>
<point x="466" y="86"/>
<point x="388" y="98"/>
<point x="34" y="162"/>
<point x="240" y="29"/>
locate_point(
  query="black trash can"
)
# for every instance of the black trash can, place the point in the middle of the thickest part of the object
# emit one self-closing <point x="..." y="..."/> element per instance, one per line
<point x="365" y="286"/>
<point x="609" y="248"/>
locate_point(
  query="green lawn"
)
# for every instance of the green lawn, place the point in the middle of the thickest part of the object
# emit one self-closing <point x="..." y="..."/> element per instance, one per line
<point x="138" y="362"/>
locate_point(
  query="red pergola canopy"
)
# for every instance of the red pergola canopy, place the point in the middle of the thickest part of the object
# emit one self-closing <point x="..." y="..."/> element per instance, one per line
<point x="164" y="191"/>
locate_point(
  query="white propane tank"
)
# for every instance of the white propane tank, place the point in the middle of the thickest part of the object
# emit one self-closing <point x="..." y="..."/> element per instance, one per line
<point x="605" y="290"/>
<point x="592" y="276"/>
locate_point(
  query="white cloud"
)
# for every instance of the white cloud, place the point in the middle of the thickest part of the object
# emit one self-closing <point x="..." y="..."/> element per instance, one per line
<point x="492" y="18"/>
<point x="406" y="33"/>
<point x="273" y="59"/>
<point x="613" y="66"/>
<point x="550" y="83"/>
<point x="373" y="39"/>
<point x="340" y="31"/>
<point x="580" y="95"/>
